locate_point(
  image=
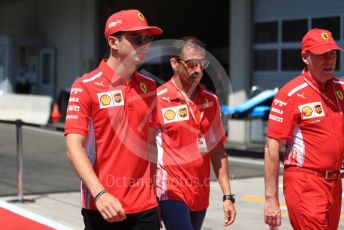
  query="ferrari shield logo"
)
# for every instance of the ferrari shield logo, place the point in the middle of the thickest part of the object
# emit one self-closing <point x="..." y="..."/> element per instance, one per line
<point x="140" y="15"/>
<point x="143" y="87"/>
<point x="324" y="36"/>
<point x="339" y="94"/>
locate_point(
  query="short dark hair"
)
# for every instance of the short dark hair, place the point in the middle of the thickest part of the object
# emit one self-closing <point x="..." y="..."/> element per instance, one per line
<point x="185" y="42"/>
<point x="118" y="34"/>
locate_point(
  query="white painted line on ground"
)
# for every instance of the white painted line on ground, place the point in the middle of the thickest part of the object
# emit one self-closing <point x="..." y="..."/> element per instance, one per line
<point x="33" y="216"/>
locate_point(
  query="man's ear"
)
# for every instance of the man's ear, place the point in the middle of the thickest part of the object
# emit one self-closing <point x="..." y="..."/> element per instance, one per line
<point x="174" y="63"/>
<point x="305" y="58"/>
<point x="113" y="42"/>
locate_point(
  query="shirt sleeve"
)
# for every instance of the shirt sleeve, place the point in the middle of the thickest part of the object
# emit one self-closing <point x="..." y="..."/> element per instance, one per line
<point x="78" y="110"/>
<point x="282" y="117"/>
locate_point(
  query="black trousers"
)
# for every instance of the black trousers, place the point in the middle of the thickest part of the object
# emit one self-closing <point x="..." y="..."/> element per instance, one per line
<point x="93" y="220"/>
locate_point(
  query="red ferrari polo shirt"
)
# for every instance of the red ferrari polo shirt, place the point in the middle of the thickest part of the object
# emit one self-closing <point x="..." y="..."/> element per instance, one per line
<point x="184" y="163"/>
<point x="113" y="114"/>
<point x="310" y="118"/>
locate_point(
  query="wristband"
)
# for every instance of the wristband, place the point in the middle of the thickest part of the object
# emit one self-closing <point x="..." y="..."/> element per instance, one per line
<point x="230" y="197"/>
<point x="99" y="195"/>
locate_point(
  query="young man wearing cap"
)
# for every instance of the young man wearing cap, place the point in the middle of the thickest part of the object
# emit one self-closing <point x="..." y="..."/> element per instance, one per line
<point x="189" y="136"/>
<point x="107" y="130"/>
<point x="307" y="114"/>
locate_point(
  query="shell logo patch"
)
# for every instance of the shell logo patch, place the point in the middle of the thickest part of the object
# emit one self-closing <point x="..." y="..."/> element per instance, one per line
<point x="110" y="99"/>
<point x="311" y="110"/>
<point x="169" y="114"/>
<point x="307" y="111"/>
<point x="325" y="36"/>
<point x="339" y="94"/>
<point x="174" y="114"/>
<point x="105" y="99"/>
<point x="141" y="17"/>
<point x="143" y="87"/>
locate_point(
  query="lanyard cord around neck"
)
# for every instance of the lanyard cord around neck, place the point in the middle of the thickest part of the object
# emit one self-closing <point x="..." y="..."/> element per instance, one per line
<point x="188" y="104"/>
<point x="323" y="94"/>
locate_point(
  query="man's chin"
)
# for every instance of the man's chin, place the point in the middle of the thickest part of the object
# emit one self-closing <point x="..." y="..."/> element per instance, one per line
<point x="138" y="62"/>
<point x="196" y="79"/>
<point x="328" y="74"/>
<point x="140" y="59"/>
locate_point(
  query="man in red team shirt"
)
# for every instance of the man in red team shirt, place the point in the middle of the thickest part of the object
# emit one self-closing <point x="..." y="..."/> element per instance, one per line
<point x="107" y="130"/>
<point x="189" y="135"/>
<point x="307" y="113"/>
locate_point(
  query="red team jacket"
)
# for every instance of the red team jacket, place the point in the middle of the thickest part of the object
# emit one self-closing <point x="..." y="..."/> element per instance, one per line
<point x="114" y="116"/>
<point x="183" y="171"/>
<point x="311" y="123"/>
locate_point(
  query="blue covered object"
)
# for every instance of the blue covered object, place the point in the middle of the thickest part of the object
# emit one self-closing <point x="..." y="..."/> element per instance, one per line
<point x="260" y="111"/>
<point x="256" y="106"/>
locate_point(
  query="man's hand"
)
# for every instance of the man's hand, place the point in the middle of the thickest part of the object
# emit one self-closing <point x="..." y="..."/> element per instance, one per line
<point x="110" y="208"/>
<point x="229" y="212"/>
<point x="272" y="212"/>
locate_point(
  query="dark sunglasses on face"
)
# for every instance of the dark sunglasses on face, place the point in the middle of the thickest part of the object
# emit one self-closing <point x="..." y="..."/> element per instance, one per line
<point x="192" y="63"/>
<point x="140" y="39"/>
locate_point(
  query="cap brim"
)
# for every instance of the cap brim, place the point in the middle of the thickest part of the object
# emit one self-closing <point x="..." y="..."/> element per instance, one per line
<point x="325" y="48"/>
<point x="150" y="29"/>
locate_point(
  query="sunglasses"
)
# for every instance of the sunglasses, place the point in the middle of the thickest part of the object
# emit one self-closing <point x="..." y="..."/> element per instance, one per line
<point x="192" y="63"/>
<point x="140" y="39"/>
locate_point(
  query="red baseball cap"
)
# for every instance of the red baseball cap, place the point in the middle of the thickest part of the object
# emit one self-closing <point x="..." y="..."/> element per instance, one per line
<point x="128" y="20"/>
<point x="319" y="41"/>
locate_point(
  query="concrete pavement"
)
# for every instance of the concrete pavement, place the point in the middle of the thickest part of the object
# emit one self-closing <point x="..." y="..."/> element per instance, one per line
<point x="64" y="207"/>
<point x="50" y="181"/>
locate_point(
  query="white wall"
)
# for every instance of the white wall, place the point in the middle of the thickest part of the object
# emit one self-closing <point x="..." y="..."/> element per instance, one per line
<point x="68" y="26"/>
<point x="240" y="50"/>
<point x="240" y="72"/>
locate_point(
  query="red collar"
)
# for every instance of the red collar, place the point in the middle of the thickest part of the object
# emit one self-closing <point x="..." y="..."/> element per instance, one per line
<point x="311" y="80"/>
<point x="174" y="94"/>
<point x="112" y="75"/>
